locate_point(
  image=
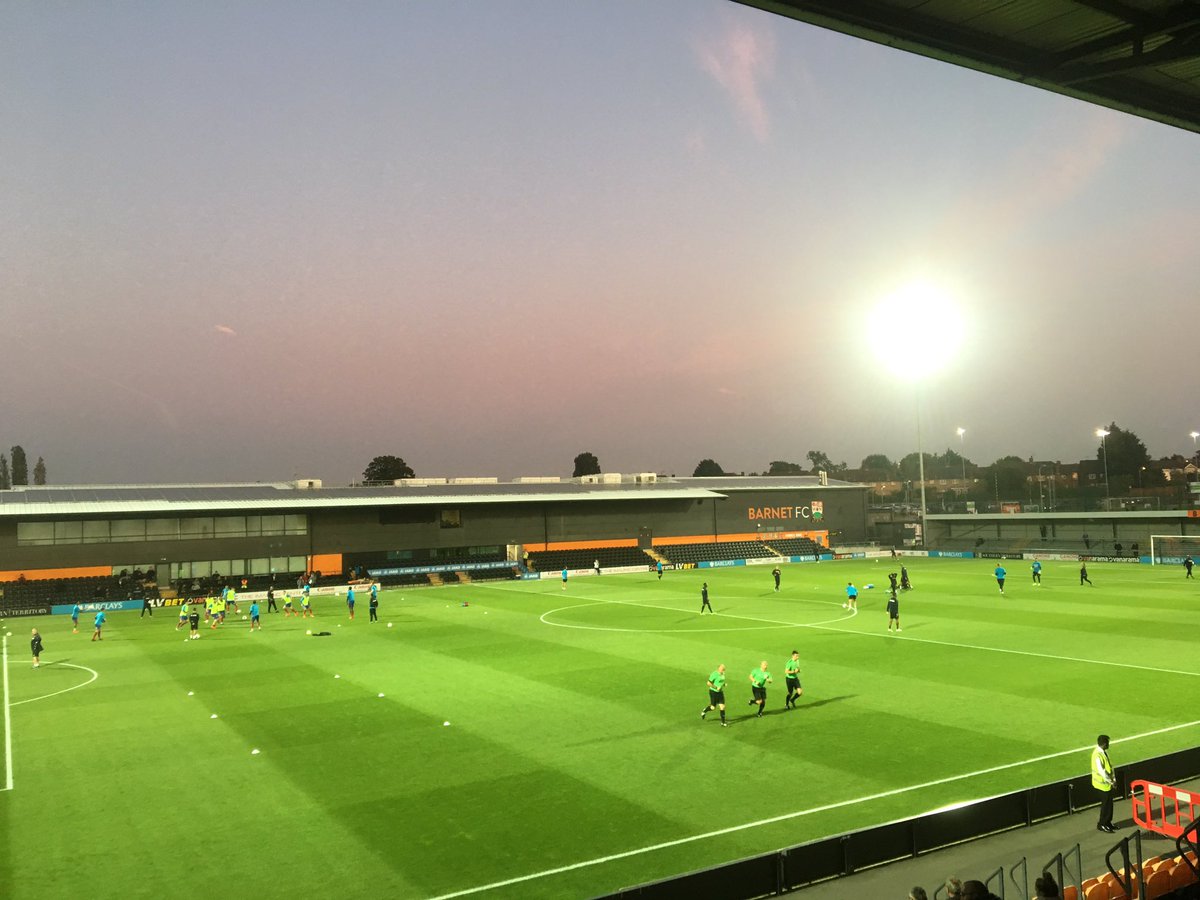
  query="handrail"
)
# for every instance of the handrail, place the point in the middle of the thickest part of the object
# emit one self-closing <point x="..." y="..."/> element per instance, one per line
<point x="1126" y="881"/>
<point x="1191" y="837"/>
<point x="988" y="883"/>
<point x="1021" y="886"/>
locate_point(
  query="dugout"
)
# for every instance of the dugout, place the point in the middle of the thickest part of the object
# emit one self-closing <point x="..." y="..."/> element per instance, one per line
<point x="252" y="529"/>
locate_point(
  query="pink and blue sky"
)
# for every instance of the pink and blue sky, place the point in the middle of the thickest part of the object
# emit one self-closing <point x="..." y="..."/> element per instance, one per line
<point x="255" y="241"/>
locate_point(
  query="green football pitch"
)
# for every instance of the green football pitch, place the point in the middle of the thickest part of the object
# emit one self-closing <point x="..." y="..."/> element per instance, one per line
<point x="575" y="761"/>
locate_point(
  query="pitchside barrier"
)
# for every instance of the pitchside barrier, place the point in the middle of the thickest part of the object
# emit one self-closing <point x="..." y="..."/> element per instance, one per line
<point x="1163" y="809"/>
<point x="792" y="868"/>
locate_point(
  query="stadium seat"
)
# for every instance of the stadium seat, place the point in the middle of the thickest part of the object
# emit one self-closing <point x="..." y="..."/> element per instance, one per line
<point x="1098" y="890"/>
<point x="1070" y="893"/>
<point x="1181" y="875"/>
<point x="1158" y="884"/>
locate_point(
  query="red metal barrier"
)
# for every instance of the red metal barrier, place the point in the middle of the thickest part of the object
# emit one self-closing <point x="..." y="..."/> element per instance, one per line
<point x="1163" y="809"/>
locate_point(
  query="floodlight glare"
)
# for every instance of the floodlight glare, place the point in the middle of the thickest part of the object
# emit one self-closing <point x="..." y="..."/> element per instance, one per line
<point x="961" y="432"/>
<point x="1194" y="435"/>
<point x="1101" y="433"/>
<point x="916" y="330"/>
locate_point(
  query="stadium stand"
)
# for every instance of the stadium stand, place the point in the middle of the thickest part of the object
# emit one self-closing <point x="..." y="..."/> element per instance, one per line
<point x="681" y="554"/>
<point x="609" y="557"/>
<point x="795" y="546"/>
<point x="50" y="591"/>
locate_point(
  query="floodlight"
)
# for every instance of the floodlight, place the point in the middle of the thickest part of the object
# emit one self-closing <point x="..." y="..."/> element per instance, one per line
<point x="916" y="330"/>
<point x="961" y="432"/>
<point x="1101" y="433"/>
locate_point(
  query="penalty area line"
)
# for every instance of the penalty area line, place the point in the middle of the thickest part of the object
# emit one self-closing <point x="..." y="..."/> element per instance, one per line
<point x="950" y="779"/>
<point x="8" y="768"/>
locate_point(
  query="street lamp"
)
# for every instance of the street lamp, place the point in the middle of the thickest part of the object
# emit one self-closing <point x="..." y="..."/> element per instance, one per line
<point x="1102" y="434"/>
<point x="922" y="319"/>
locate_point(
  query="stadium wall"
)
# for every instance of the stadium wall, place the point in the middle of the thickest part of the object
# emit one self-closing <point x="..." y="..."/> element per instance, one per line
<point x="595" y="522"/>
<point x="60" y="556"/>
<point x="469" y="522"/>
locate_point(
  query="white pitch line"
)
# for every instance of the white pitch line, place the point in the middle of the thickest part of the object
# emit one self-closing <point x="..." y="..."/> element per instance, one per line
<point x="76" y="687"/>
<point x="8" y="769"/>
<point x="1078" y="659"/>
<point x="825" y="626"/>
<point x="771" y="623"/>
<point x="600" y="860"/>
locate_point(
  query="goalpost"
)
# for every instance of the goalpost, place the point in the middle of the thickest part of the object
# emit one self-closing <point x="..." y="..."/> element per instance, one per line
<point x="1171" y="549"/>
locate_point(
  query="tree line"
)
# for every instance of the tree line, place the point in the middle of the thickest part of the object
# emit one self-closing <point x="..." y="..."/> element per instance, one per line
<point x="1128" y="463"/>
<point x="18" y="474"/>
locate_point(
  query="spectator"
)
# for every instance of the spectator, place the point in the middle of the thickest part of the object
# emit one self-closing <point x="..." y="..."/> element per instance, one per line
<point x="976" y="890"/>
<point x="954" y="888"/>
<point x="918" y="893"/>
<point x="1046" y="888"/>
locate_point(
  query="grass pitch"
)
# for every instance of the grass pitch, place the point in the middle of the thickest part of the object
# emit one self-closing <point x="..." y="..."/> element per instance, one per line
<point x="575" y="761"/>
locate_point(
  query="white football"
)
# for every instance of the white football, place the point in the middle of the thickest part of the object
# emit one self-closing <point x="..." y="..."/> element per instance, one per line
<point x="389" y="624"/>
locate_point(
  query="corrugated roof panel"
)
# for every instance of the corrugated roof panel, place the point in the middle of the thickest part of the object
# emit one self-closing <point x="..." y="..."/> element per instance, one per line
<point x="149" y="499"/>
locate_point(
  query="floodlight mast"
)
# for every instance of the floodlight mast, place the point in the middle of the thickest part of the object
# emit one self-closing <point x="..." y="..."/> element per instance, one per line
<point x="921" y="465"/>
<point x="923" y="319"/>
<point x="962" y="444"/>
<point x="1103" y="435"/>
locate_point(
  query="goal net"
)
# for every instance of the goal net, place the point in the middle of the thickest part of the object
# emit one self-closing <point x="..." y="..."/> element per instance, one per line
<point x="1172" y="549"/>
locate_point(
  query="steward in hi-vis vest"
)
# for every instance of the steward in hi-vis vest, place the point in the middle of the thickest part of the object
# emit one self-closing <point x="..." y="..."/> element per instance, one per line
<point x="1103" y="781"/>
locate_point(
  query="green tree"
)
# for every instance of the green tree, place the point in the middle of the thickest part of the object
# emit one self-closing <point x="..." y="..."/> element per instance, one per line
<point x="1126" y="453"/>
<point x="20" y="468"/>
<point x="39" y="472"/>
<point x="1006" y="477"/>
<point x="779" y="467"/>
<point x="877" y="462"/>
<point x="5" y="478"/>
<point x="386" y="468"/>
<point x="820" y="461"/>
<point x="586" y="464"/>
<point x="707" y="468"/>
<point x="909" y="468"/>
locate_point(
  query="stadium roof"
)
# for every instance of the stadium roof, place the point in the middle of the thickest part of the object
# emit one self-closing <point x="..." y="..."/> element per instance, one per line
<point x="283" y="497"/>
<point x="1138" y="56"/>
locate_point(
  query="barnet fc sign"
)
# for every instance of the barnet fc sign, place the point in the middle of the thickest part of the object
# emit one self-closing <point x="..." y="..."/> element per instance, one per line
<point x="814" y="511"/>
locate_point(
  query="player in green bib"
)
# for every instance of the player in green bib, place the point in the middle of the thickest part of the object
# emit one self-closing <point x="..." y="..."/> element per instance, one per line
<point x="716" y="694"/>
<point x="792" y="675"/>
<point x="183" y="616"/>
<point x="759" y="679"/>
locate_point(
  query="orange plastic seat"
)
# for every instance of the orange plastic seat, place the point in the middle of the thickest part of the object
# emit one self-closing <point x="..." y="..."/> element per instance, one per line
<point x="1098" y="891"/>
<point x="1069" y="893"/>
<point x="1158" y="884"/>
<point x="1181" y="875"/>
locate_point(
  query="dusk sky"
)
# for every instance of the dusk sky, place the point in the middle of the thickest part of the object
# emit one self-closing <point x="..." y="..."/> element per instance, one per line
<point x="254" y="241"/>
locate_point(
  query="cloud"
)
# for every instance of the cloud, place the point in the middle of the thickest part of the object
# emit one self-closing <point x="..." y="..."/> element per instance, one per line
<point x="225" y="329"/>
<point x="1058" y="164"/>
<point x="740" y="59"/>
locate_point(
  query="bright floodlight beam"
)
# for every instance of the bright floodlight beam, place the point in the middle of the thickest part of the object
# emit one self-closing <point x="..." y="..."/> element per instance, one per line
<point x="916" y="331"/>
